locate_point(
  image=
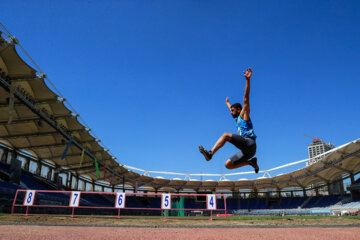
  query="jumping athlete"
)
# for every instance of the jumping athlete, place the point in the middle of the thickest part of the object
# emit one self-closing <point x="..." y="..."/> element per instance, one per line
<point x="245" y="140"/>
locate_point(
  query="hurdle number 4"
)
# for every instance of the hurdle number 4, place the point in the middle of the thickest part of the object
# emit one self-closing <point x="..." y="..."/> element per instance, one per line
<point x="211" y="201"/>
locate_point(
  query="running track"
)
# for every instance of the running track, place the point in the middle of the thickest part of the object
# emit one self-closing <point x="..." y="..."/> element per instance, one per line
<point x="35" y="232"/>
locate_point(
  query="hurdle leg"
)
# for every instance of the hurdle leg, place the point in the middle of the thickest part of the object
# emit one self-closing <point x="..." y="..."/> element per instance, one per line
<point x="13" y="206"/>
<point x="27" y="211"/>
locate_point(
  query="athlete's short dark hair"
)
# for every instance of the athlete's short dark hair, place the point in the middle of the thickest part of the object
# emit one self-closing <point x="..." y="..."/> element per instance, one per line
<point x="236" y="105"/>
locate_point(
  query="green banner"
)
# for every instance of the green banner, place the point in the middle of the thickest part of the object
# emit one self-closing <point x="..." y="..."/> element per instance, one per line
<point x="97" y="167"/>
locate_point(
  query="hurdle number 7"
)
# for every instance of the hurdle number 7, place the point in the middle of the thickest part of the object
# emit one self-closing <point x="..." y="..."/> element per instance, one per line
<point x="76" y="195"/>
<point x="75" y="199"/>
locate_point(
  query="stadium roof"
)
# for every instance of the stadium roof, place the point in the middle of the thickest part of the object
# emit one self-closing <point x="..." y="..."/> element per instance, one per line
<point x="35" y="119"/>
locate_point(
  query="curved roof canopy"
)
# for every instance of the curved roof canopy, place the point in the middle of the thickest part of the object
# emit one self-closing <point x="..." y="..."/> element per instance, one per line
<point x="33" y="118"/>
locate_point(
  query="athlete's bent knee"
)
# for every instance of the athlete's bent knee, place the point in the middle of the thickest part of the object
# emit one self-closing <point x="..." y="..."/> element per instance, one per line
<point x="227" y="136"/>
<point x="229" y="164"/>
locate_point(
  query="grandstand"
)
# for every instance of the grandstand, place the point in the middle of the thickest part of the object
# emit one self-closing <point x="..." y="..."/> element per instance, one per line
<point x="37" y="124"/>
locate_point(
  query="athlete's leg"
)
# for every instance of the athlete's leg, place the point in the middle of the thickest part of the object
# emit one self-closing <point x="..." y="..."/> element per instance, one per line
<point x="219" y="144"/>
<point x="248" y="150"/>
<point x="242" y="158"/>
<point x="226" y="137"/>
<point x="231" y="165"/>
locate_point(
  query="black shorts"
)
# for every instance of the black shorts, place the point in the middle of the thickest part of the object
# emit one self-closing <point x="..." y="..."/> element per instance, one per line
<point x="246" y="145"/>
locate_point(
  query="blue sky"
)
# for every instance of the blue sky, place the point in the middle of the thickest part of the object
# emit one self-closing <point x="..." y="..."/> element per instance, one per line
<point x="151" y="77"/>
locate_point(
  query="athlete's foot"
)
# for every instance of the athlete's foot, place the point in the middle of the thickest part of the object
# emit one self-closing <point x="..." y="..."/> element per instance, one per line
<point x="207" y="154"/>
<point x="253" y="163"/>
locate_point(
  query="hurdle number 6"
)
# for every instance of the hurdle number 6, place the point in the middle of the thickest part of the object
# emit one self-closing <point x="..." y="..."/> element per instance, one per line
<point x="120" y="200"/>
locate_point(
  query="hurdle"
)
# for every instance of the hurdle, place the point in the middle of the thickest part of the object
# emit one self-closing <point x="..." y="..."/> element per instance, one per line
<point x="73" y="200"/>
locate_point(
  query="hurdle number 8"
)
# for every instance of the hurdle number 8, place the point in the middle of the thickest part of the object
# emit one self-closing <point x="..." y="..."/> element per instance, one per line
<point x="29" y="197"/>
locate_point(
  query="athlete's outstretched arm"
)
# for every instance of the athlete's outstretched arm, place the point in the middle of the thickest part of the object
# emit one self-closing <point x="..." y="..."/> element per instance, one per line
<point x="245" y="112"/>
<point x="227" y="103"/>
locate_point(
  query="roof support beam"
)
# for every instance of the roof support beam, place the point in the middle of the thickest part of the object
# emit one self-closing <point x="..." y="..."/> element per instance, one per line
<point x="342" y="169"/>
<point x="84" y="163"/>
<point x="297" y="182"/>
<point x="76" y="155"/>
<point x="38" y="134"/>
<point x="15" y="121"/>
<point x="69" y="166"/>
<point x="317" y="175"/>
<point x="46" y="101"/>
<point x="52" y="145"/>
<point x="67" y="155"/>
<point x="322" y="178"/>
<point x="87" y="171"/>
<point x="25" y="78"/>
<point x="79" y="169"/>
<point x="342" y="153"/>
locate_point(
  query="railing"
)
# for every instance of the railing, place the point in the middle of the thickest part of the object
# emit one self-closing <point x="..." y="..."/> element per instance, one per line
<point x="130" y="204"/>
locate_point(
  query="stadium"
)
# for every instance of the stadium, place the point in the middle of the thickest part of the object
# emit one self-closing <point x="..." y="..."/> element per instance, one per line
<point x="48" y="154"/>
<point x="36" y="127"/>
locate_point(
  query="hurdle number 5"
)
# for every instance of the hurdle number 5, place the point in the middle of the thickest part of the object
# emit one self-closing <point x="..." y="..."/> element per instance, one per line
<point x="120" y="200"/>
<point x="166" y="201"/>
<point x="29" y="198"/>
<point x="211" y="201"/>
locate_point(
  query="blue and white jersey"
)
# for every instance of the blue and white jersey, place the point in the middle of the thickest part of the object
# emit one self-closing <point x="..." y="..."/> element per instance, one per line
<point x="245" y="128"/>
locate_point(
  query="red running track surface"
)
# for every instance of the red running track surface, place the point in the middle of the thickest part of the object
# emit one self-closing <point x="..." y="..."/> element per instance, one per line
<point x="78" y="232"/>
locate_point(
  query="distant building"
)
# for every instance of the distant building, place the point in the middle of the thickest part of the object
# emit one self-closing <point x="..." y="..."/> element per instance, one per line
<point x="316" y="148"/>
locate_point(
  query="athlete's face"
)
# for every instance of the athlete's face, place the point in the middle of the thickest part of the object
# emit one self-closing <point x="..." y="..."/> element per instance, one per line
<point x="235" y="112"/>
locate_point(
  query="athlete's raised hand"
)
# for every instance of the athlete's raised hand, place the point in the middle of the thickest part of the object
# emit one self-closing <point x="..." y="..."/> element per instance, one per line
<point x="227" y="103"/>
<point x="248" y="73"/>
